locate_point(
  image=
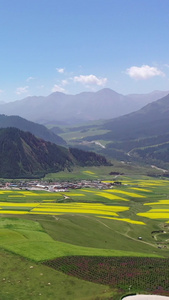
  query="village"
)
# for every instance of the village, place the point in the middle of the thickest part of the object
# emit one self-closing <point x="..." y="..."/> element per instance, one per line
<point x="55" y="186"/>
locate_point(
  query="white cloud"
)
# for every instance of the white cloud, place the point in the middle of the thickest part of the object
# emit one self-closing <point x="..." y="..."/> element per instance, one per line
<point x="22" y="90"/>
<point x="90" y="79"/>
<point x="60" y="70"/>
<point x="30" y="78"/>
<point x="143" y="72"/>
<point x="58" y="88"/>
<point x="1" y="91"/>
<point x="65" y="82"/>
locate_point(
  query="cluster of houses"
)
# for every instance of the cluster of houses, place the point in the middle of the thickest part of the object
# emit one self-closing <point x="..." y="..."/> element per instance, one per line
<point x="58" y="186"/>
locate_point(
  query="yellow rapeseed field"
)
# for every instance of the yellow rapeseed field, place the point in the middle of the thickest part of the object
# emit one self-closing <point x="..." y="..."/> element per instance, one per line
<point x="88" y="191"/>
<point x="4" y="192"/>
<point x="30" y="194"/>
<point x="140" y="189"/>
<point x="155" y="215"/>
<point x="110" y="196"/>
<point x="16" y="196"/>
<point x="158" y="210"/>
<point x="71" y="210"/>
<point x="62" y="208"/>
<point x="124" y="220"/>
<point x="152" y="183"/>
<point x="45" y="213"/>
<point x="159" y="202"/>
<point x="125" y="193"/>
<point x="107" y="181"/>
<point x="105" y="194"/>
<point x="89" y="172"/>
<point x="13" y="212"/>
<point x="11" y="204"/>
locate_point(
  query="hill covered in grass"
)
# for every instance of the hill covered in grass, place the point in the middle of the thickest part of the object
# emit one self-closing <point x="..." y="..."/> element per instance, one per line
<point x="24" y="155"/>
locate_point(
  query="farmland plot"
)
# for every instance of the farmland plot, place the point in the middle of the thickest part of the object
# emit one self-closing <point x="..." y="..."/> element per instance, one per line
<point x="128" y="223"/>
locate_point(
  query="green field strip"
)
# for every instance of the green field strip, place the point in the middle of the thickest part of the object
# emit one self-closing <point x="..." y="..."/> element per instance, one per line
<point x="44" y="250"/>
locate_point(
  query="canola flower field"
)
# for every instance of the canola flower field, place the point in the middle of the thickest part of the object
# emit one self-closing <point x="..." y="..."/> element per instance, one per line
<point x="135" y="208"/>
<point x="108" y="203"/>
<point x="127" y="223"/>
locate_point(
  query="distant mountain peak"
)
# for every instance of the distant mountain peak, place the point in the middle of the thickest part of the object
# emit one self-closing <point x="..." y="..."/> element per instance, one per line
<point x="72" y="109"/>
<point x="107" y="91"/>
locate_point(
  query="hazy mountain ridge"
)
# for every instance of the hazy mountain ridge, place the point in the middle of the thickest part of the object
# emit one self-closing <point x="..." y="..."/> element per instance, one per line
<point x="87" y="106"/>
<point x="24" y="155"/>
<point x="142" y="135"/>
<point x="152" y="119"/>
<point x="36" y="129"/>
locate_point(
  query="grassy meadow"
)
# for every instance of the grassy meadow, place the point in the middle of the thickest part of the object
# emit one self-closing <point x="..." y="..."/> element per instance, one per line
<point x="53" y="244"/>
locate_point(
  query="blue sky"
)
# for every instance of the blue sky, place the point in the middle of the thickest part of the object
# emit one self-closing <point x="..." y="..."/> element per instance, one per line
<point x="73" y="46"/>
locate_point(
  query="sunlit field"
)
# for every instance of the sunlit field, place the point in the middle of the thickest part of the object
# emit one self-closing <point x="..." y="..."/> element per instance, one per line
<point x="128" y="220"/>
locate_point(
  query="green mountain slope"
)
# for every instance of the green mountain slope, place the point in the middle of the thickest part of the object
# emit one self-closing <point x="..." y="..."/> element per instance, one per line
<point x="24" y="155"/>
<point x="156" y="154"/>
<point x="36" y="129"/>
<point x="142" y="135"/>
<point x="151" y="120"/>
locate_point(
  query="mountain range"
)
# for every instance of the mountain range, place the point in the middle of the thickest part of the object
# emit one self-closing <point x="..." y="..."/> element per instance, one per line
<point x="62" y="109"/>
<point x="151" y="120"/>
<point x="22" y="155"/>
<point x="142" y="135"/>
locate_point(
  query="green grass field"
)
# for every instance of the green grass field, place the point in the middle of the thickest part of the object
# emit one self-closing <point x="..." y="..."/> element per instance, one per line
<point x="76" y="135"/>
<point x="103" y="172"/>
<point x="131" y="220"/>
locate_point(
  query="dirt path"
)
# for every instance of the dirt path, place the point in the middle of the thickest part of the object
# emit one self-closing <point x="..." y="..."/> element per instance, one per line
<point x="154" y="167"/>
<point x="124" y="234"/>
<point x="57" y="219"/>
